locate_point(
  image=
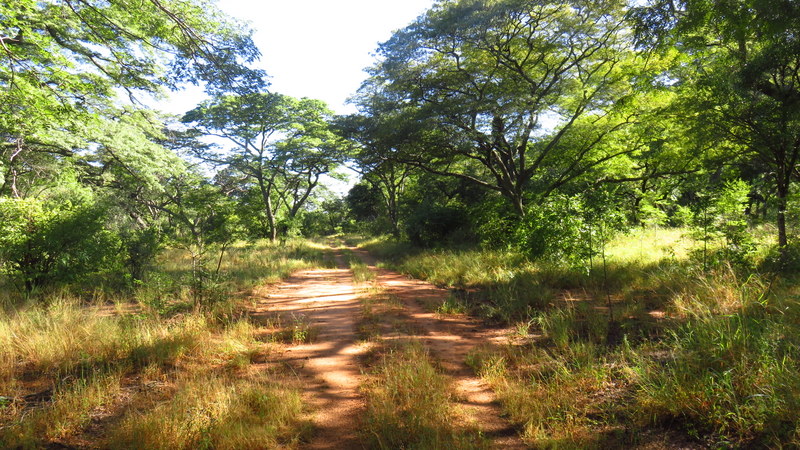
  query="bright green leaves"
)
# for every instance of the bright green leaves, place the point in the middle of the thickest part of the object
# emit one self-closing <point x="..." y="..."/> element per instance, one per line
<point x="742" y="83"/>
<point x="525" y="92"/>
<point x="64" y="63"/>
<point x="84" y="48"/>
<point x="282" y="146"/>
<point x="58" y="239"/>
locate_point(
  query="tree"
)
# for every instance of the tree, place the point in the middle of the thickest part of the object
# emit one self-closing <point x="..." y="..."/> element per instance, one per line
<point x="742" y="84"/>
<point x="64" y="62"/>
<point x="375" y="162"/>
<point x="283" y="146"/>
<point x="513" y="95"/>
<point x="199" y="217"/>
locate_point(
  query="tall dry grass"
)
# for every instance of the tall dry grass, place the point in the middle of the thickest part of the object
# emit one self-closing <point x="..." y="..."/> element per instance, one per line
<point x="710" y="352"/>
<point x="410" y="405"/>
<point x="67" y="366"/>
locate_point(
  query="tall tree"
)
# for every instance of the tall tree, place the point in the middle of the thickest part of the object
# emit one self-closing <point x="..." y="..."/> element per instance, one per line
<point x="376" y="162"/>
<point x="742" y="84"/>
<point x="282" y="146"/>
<point x="508" y="94"/>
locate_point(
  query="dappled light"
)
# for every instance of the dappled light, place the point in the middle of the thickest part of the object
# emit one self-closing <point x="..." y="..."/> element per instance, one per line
<point x="540" y="224"/>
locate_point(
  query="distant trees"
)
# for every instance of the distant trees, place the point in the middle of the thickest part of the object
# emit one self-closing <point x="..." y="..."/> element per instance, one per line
<point x="493" y="120"/>
<point x="282" y="147"/>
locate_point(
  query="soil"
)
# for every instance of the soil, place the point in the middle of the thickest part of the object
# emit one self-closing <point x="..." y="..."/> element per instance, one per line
<point x="328" y="301"/>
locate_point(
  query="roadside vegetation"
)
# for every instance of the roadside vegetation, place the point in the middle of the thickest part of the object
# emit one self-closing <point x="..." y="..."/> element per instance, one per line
<point x="704" y="355"/>
<point x="148" y="368"/>
<point x="410" y="401"/>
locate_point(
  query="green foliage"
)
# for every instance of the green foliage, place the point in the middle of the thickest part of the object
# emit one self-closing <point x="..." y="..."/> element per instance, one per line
<point x="733" y="376"/>
<point x="140" y="247"/>
<point x="66" y="68"/>
<point x="739" y="82"/>
<point x="433" y="225"/>
<point x="652" y="212"/>
<point x="569" y="228"/>
<point x="476" y="83"/>
<point x="43" y="242"/>
<point x="363" y="202"/>
<point x="283" y="146"/>
<point x="200" y="217"/>
<point x="721" y="216"/>
<point x="89" y="48"/>
<point x="328" y="217"/>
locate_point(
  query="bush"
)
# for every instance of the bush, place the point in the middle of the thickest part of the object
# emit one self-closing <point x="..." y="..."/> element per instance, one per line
<point x="429" y="225"/>
<point x="571" y="228"/>
<point x="45" y="242"/>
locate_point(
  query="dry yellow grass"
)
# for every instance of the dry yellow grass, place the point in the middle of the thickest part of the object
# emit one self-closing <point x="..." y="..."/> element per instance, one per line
<point x="65" y="363"/>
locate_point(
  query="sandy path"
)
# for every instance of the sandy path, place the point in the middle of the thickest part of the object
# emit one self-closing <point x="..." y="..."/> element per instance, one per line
<point x="328" y="300"/>
<point x="328" y="366"/>
<point x="450" y="339"/>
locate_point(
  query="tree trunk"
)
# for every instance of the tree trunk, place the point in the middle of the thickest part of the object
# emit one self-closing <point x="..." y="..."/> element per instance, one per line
<point x="266" y="198"/>
<point x="519" y="206"/>
<point x="783" y="193"/>
<point x="391" y="209"/>
<point x="273" y="227"/>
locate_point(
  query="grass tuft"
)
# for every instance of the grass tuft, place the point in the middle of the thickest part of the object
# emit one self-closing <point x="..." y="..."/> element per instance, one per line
<point x="215" y="412"/>
<point x="409" y="405"/>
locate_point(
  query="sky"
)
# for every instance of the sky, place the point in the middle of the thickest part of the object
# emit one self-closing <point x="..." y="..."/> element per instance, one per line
<point x="315" y="48"/>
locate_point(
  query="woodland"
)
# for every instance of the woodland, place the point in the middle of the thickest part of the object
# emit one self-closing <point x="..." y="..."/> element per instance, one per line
<point x="610" y="185"/>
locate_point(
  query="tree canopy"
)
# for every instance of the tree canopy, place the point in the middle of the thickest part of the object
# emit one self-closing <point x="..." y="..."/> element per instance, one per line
<point x="506" y="94"/>
<point x="282" y="147"/>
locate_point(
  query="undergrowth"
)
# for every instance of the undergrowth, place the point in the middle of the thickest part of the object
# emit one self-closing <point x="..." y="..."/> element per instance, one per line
<point x="150" y="370"/>
<point x="657" y="344"/>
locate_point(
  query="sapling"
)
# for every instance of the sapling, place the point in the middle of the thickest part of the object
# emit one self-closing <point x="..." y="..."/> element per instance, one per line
<point x="721" y="215"/>
<point x="600" y="210"/>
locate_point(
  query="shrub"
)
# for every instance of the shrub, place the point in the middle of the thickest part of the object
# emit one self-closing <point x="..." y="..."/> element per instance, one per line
<point x="429" y="226"/>
<point x="44" y="242"/>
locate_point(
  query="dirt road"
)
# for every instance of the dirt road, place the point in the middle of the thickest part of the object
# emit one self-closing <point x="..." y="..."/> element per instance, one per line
<point x="328" y="302"/>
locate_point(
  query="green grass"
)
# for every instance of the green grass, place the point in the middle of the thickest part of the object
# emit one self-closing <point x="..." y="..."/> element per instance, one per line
<point x="361" y="272"/>
<point x="410" y="405"/>
<point x="650" y="245"/>
<point x="563" y="399"/>
<point x="82" y="354"/>
<point x="68" y="411"/>
<point x="731" y="373"/>
<point x="706" y="352"/>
